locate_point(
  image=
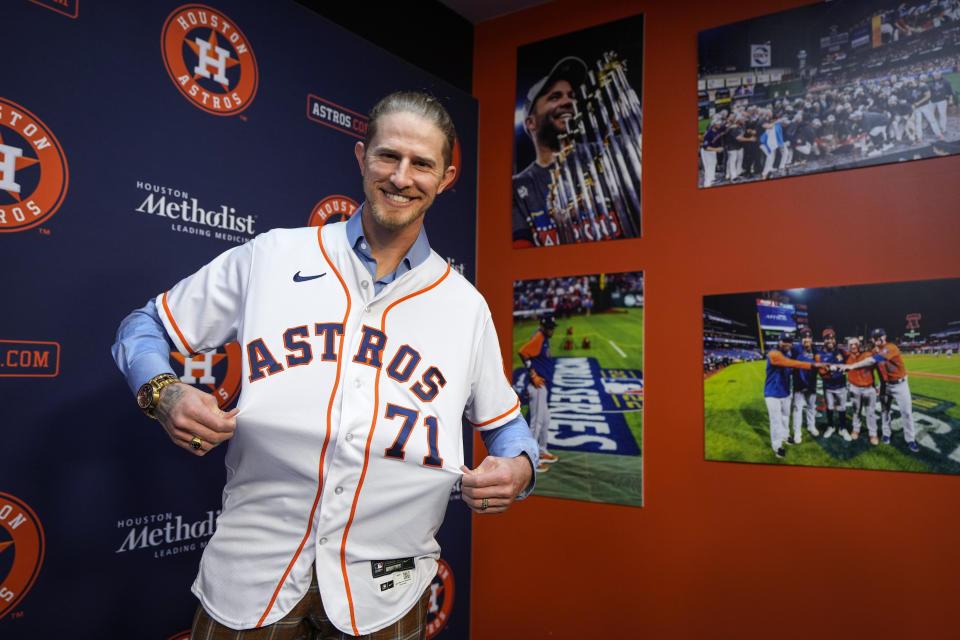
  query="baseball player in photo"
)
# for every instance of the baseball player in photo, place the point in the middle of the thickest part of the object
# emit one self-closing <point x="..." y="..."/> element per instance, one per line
<point x="863" y="393"/>
<point x="894" y="387"/>
<point x="550" y="102"/>
<point x="540" y="366"/>
<point x="363" y="350"/>
<point x="834" y="385"/>
<point x="776" y="391"/>
<point x="804" y="389"/>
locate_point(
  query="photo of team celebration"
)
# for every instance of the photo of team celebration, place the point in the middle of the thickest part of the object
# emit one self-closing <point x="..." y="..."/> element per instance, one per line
<point x="834" y="85"/>
<point x="578" y="369"/>
<point x="861" y="376"/>
<point x="577" y="137"/>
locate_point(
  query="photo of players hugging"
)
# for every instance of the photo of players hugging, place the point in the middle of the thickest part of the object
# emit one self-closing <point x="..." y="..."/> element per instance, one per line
<point x="577" y="137"/>
<point x="855" y="376"/>
<point x="828" y="86"/>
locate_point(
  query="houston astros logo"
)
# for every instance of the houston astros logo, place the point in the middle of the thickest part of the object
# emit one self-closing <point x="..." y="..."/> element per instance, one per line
<point x="332" y="209"/>
<point x="441" y="599"/>
<point x="214" y="372"/>
<point x="33" y="169"/>
<point x="21" y="549"/>
<point x="209" y="59"/>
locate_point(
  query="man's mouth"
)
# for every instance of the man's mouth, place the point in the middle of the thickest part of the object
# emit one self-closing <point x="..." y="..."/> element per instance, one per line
<point x="396" y="197"/>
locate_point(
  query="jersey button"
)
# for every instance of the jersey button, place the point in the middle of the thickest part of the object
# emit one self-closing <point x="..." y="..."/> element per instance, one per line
<point x="364" y="284"/>
<point x="348" y="437"/>
<point x="322" y="541"/>
<point x="338" y="490"/>
<point x="357" y="383"/>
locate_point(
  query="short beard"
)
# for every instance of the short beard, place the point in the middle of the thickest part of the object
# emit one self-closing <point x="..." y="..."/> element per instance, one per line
<point x="393" y="224"/>
<point x="548" y="135"/>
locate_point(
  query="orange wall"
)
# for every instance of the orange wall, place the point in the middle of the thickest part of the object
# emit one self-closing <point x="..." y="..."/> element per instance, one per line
<point x="719" y="550"/>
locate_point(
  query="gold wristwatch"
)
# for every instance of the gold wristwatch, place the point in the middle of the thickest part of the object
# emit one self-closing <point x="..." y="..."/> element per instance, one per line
<point x="149" y="394"/>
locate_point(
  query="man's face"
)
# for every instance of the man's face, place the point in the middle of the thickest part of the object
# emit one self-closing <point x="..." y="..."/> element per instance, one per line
<point x="807" y="342"/>
<point x="403" y="169"/>
<point x="785" y="346"/>
<point x="853" y="345"/>
<point x="880" y="340"/>
<point x="548" y="331"/>
<point x="549" y="114"/>
<point x="830" y="342"/>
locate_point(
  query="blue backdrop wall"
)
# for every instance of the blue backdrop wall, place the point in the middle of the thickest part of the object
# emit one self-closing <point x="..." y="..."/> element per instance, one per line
<point x="121" y="171"/>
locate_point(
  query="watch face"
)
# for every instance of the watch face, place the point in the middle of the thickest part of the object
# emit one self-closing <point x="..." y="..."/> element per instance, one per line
<point x="145" y="396"/>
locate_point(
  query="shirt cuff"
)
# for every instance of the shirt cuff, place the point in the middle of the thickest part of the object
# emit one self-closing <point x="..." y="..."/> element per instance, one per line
<point x="512" y="440"/>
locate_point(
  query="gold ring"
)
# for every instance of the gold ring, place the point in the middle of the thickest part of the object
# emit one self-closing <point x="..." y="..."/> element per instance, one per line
<point x="484" y="505"/>
<point x="196" y="442"/>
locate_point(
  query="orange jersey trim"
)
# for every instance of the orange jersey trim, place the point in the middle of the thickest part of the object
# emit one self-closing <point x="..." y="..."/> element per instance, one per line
<point x="326" y="441"/>
<point x="366" y="453"/>
<point x="532" y="348"/>
<point x="173" y="323"/>
<point x="506" y="413"/>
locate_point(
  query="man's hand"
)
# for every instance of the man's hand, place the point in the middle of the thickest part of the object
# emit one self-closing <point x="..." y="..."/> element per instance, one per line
<point x="536" y="379"/>
<point x="185" y="412"/>
<point x="499" y="480"/>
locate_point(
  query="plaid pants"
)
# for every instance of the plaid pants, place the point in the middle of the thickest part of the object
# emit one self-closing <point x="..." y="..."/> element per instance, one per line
<point x="308" y="621"/>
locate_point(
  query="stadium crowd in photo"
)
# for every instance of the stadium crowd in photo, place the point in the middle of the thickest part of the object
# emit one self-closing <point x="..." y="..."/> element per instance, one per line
<point x="834" y="87"/>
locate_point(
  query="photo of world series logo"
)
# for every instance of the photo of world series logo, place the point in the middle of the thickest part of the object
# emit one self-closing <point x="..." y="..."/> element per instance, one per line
<point x="216" y="372"/>
<point x="209" y="59"/>
<point x="33" y="169"/>
<point x="21" y="551"/>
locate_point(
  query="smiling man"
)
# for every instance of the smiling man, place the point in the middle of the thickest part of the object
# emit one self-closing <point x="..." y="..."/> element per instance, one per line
<point x="347" y="438"/>
<point x="550" y="102"/>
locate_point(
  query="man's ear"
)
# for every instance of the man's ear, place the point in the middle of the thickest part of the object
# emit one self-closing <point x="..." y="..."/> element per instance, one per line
<point x="530" y="123"/>
<point x="448" y="175"/>
<point x="361" y="152"/>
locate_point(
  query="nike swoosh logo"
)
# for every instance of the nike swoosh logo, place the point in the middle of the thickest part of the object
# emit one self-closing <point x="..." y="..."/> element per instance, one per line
<point x="299" y="278"/>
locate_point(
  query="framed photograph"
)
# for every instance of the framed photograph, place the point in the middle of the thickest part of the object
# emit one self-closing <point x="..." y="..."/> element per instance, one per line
<point x="859" y="376"/>
<point x="838" y="85"/>
<point x="578" y="369"/>
<point x="577" y="137"/>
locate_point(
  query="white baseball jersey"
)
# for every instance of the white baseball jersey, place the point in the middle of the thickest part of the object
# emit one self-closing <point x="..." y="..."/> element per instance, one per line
<point x="348" y="439"/>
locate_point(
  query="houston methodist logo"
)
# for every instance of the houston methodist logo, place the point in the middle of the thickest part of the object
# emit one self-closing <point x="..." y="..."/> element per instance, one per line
<point x="21" y="549"/>
<point x="209" y="59"/>
<point x="441" y="599"/>
<point x="33" y="169"/>
<point x="216" y="372"/>
<point x="332" y="209"/>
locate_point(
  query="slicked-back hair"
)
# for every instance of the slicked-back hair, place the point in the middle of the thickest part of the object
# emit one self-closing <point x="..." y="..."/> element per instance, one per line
<point x="421" y="104"/>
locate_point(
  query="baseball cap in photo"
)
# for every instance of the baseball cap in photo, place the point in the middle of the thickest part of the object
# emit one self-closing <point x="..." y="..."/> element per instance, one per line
<point x="786" y="336"/>
<point x="829" y="332"/>
<point x="572" y="69"/>
<point x="878" y="332"/>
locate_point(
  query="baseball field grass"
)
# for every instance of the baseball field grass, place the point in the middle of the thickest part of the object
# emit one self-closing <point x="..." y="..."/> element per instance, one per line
<point x="736" y="425"/>
<point x="616" y="341"/>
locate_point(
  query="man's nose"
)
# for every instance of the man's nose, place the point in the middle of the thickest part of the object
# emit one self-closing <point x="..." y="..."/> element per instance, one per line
<point x="401" y="177"/>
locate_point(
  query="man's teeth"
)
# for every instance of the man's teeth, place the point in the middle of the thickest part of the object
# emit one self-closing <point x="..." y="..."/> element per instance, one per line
<point x="396" y="197"/>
